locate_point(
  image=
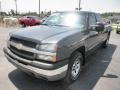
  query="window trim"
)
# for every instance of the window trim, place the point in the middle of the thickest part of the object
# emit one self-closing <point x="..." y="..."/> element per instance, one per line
<point x="89" y="19"/>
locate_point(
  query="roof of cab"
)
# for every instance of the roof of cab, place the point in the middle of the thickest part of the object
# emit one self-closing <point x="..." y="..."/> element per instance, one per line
<point x="74" y="12"/>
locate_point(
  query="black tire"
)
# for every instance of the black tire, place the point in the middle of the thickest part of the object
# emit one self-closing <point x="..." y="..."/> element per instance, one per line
<point x="117" y="32"/>
<point x="69" y="76"/>
<point x="105" y="43"/>
<point x="23" y="25"/>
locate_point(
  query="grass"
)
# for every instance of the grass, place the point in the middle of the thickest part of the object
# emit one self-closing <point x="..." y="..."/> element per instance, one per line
<point x="114" y="26"/>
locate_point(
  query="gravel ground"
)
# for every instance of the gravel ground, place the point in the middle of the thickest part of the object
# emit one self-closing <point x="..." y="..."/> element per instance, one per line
<point x="102" y="71"/>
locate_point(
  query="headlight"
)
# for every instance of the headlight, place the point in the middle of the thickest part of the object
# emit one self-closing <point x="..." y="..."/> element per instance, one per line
<point x="48" y="47"/>
<point x="51" y="58"/>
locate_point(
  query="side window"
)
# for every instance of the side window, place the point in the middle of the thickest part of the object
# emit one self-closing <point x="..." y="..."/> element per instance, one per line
<point x="92" y="19"/>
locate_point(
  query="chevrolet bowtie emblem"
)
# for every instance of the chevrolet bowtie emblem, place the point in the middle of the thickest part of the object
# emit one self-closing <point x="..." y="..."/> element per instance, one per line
<point x="19" y="46"/>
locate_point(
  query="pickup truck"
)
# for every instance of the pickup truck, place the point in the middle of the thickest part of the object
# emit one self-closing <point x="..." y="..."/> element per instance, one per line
<point x="58" y="48"/>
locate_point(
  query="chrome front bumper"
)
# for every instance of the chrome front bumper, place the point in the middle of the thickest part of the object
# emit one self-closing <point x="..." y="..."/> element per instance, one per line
<point x="50" y="75"/>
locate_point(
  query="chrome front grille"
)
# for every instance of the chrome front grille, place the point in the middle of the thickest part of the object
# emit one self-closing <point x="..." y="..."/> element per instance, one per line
<point x="17" y="47"/>
<point x="24" y="42"/>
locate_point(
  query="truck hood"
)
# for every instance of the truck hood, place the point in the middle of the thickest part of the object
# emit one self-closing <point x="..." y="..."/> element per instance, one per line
<point x="40" y="33"/>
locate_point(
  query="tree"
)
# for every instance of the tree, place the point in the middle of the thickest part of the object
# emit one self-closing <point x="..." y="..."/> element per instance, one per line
<point x="3" y="14"/>
<point x="12" y="12"/>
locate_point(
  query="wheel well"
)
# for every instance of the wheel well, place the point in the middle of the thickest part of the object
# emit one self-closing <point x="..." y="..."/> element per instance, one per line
<point x="37" y="23"/>
<point x="22" y="22"/>
<point x="82" y="51"/>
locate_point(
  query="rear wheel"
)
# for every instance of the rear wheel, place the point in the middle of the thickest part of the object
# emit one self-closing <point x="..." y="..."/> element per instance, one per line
<point x="106" y="42"/>
<point x="23" y="25"/>
<point x="74" y="67"/>
<point x="117" y="32"/>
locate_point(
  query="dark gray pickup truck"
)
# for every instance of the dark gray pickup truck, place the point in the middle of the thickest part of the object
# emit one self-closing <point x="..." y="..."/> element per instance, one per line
<point x="57" y="49"/>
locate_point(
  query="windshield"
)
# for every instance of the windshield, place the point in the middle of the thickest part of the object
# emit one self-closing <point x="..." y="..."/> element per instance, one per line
<point x="66" y="19"/>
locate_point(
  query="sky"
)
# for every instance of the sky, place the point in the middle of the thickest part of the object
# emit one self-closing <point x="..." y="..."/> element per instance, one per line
<point x="99" y="6"/>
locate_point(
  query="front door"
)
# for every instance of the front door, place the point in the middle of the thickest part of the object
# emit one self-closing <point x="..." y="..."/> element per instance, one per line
<point x="92" y="40"/>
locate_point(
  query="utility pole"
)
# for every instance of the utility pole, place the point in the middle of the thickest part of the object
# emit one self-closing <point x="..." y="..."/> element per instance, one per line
<point x="79" y="5"/>
<point x="16" y="6"/>
<point x="39" y="8"/>
<point x="0" y="8"/>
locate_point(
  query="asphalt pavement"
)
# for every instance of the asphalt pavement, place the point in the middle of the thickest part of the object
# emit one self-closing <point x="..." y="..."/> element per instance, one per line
<point x="102" y="71"/>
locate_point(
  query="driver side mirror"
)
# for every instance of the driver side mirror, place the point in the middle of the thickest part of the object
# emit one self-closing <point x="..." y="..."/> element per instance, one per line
<point x="98" y="27"/>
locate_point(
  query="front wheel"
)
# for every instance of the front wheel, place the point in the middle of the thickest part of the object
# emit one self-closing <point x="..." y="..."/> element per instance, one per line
<point x="74" y="67"/>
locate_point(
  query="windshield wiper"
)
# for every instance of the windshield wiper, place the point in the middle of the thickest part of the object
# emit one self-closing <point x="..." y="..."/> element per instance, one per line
<point x="54" y="25"/>
<point x="61" y="25"/>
